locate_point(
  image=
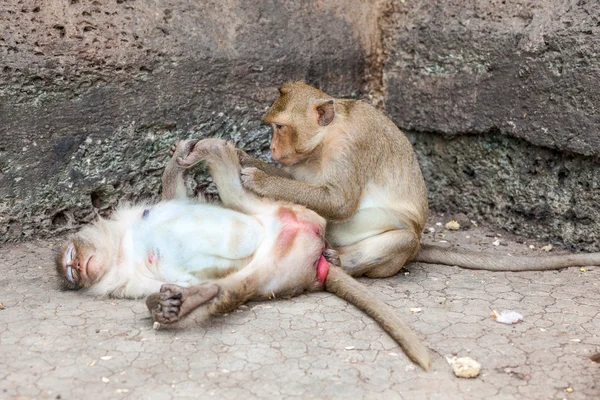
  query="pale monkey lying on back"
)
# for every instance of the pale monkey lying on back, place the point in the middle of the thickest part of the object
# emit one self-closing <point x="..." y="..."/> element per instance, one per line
<point x="349" y="162"/>
<point x="212" y="258"/>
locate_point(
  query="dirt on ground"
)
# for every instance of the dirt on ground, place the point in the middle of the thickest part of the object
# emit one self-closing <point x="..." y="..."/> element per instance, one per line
<point x="63" y="345"/>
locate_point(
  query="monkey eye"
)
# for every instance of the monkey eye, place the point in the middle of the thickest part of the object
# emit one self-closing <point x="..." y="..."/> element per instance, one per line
<point x="72" y="274"/>
<point x="277" y="126"/>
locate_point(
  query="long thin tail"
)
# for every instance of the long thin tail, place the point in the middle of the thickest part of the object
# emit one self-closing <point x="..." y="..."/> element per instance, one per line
<point x="467" y="259"/>
<point x="347" y="288"/>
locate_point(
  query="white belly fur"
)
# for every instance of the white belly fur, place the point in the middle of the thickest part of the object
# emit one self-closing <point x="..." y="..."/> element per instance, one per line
<point x="376" y="214"/>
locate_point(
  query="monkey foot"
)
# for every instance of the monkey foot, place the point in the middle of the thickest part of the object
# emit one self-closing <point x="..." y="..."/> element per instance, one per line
<point x="175" y="302"/>
<point x="333" y="257"/>
<point x="200" y="150"/>
<point x="182" y="148"/>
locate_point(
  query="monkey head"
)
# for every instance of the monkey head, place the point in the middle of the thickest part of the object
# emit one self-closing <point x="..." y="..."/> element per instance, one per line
<point x="299" y="118"/>
<point x="84" y="259"/>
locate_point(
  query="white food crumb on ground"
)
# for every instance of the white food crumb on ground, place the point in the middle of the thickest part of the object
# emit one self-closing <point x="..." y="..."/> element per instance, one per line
<point x="548" y="248"/>
<point x="452" y="226"/>
<point x="156" y="325"/>
<point x="507" y="317"/>
<point x="464" y="367"/>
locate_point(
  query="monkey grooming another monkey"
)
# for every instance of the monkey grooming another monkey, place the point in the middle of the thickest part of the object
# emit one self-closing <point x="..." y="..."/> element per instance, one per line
<point x="214" y="258"/>
<point x="348" y="162"/>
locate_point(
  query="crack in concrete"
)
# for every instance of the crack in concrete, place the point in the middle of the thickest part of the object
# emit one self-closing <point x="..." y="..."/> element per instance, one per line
<point x="313" y="346"/>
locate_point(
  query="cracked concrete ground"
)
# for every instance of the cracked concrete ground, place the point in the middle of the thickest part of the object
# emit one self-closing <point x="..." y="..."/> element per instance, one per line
<point x="62" y="345"/>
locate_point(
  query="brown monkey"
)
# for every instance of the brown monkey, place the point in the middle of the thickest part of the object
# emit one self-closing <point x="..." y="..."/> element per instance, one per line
<point x="216" y="258"/>
<point x="349" y="162"/>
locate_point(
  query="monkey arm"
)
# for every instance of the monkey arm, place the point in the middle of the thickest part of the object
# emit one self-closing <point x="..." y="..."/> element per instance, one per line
<point x="249" y="161"/>
<point x="173" y="183"/>
<point x="329" y="200"/>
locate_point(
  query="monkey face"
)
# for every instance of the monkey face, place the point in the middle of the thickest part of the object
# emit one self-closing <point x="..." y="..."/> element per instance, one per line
<point x="283" y="144"/>
<point x="80" y="264"/>
<point x="299" y="118"/>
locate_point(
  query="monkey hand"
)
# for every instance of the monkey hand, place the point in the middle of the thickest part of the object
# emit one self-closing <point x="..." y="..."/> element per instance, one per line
<point x="246" y="160"/>
<point x="253" y="179"/>
<point x="173" y="302"/>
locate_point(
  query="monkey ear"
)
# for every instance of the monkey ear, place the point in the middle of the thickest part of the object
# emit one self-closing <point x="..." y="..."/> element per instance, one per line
<point x="325" y="111"/>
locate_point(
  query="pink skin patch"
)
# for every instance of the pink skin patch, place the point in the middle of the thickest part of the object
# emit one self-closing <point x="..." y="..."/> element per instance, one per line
<point x="291" y="228"/>
<point x="151" y="258"/>
<point x="322" y="269"/>
<point x="290" y="218"/>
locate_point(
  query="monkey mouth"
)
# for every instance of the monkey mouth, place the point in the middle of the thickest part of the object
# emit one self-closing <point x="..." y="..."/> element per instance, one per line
<point x="288" y="159"/>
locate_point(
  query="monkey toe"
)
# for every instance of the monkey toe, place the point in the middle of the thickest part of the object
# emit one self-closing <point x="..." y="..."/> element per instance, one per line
<point x="167" y="310"/>
<point x="153" y="301"/>
<point x="332" y="257"/>
<point x="172" y="150"/>
<point x="165" y="317"/>
<point x="174" y="291"/>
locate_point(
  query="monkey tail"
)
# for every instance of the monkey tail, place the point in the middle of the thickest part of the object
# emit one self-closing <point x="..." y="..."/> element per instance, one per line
<point x="467" y="259"/>
<point x="347" y="288"/>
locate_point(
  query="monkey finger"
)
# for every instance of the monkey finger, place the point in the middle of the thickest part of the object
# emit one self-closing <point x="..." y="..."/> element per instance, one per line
<point x="249" y="177"/>
<point x="172" y="302"/>
<point x="247" y="173"/>
<point x="172" y="312"/>
<point x="173" y="291"/>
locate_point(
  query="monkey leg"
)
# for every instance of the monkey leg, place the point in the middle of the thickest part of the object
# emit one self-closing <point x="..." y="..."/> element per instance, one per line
<point x="223" y="162"/>
<point x="173" y="183"/>
<point x="174" y="302"/>
<point x="380" y="256"/>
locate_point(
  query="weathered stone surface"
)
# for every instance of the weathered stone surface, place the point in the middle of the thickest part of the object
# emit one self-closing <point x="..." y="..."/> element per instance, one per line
<point x="528" y="69"/>
<point x="515" y="185"/>
<point x="93" y="93"/>
<point x="489" y="72"/>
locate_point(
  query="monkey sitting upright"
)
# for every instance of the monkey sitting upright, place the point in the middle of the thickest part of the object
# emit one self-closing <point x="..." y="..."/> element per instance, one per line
<point x="349" y="162"/>
<point x="220" y="257"/>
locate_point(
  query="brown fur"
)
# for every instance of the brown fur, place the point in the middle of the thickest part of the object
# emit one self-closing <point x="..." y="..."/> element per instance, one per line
<point x="353" y="166"/>
<point x="340" y="155"/>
